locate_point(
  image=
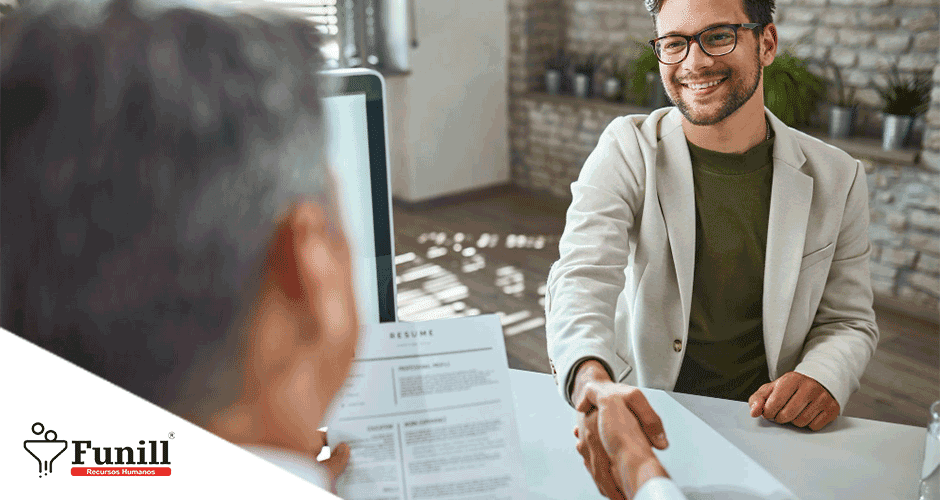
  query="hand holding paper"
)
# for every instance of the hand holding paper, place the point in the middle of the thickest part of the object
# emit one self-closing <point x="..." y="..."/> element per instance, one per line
<point x="427" y="412"/>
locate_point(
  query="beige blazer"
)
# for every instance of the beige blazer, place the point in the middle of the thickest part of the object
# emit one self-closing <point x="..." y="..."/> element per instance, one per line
<point x="622" y="287"/>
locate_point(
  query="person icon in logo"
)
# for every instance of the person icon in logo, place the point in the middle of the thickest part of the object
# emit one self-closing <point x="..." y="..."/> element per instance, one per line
<point x="45" y="451"/>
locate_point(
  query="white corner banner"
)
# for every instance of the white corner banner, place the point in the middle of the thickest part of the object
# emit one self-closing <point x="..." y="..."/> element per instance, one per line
<point x="59" y="420"/>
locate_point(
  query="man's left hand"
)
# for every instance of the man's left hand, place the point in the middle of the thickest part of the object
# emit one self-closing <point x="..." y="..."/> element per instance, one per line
<point x="795" y="398"/>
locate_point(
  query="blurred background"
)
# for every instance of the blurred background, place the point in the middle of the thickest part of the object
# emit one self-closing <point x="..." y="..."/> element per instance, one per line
<point x="493" y="106"/>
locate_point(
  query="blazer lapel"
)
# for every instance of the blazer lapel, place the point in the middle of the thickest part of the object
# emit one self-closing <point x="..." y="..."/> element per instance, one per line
<point x="677" y="202"/>
<point x="790" y="198"/>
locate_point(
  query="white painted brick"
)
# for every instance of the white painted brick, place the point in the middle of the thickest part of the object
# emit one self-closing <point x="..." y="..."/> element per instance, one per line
<point x="802" y="16"/>
<point x="794" y="32"/>
<point x="930" y="160"/>
<point x="883" y="272"/>
<point x="826" y="36"/>
<point x="870" y="59"/>
<point x="928" y="263"/>
<point x="855" y="38"/>
<point x="928" y="41"/>
<point x="917" y="62"/>
<point x="923" y="219"/>
<point x="926" y="243"/>
<point x="843" y="57"/>
<point x="896" y="222"/>
<point x="883" y="287"/>
<point x="878" y="21"/>
<point x="920" y="21"/>
<point x="917" y="297"/>
<point x="927" y="282"/>
<point x="898" y="257"/>
<point x="893" y="44"/>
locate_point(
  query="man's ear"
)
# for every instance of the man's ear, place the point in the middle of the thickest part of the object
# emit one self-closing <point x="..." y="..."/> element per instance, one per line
<point x="768" y="45"/>
<point x="286" y="260"/>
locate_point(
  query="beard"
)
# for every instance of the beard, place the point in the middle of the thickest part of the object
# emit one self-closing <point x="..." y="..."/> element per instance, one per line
<point x="741" y="90"/>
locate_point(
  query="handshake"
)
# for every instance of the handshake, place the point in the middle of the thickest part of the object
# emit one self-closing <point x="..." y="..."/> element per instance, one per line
<point x="617" y="428"/>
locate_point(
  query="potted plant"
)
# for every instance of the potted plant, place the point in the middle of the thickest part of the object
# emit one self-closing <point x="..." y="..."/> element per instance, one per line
<point x="842" y="113"/>
<point x="646" y="86"/>
<point x="584" y="72"/>
<point x="791" y="92"/>
<point x="904" y="99"/>
<point x="554" y="70"/>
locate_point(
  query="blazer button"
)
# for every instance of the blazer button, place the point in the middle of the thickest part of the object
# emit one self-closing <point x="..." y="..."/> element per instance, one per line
<point x="677" y="345"/>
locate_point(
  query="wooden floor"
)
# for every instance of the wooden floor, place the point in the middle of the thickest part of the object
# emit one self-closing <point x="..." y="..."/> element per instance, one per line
<point x="491" y="255"/>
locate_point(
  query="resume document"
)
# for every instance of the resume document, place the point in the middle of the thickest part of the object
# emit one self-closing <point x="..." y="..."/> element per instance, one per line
<point x="428" y="413"/>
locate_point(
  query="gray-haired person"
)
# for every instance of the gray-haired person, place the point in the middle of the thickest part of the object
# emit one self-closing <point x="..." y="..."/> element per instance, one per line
<point x="168" y="218"/>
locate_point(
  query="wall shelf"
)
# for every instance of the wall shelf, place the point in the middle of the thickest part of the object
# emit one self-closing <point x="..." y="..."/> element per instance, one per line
<point x="858" y="147"/>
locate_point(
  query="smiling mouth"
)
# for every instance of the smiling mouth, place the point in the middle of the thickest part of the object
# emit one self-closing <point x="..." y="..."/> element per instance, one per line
<point x="703" y="85"/>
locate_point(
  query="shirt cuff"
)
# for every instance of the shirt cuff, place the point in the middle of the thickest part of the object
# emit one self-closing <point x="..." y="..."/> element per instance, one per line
<point x="659" y="488"/>
<point x="574" y="372"/>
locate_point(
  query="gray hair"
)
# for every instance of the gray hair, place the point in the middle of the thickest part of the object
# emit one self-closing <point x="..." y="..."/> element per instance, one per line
<point x="146" y="156"/>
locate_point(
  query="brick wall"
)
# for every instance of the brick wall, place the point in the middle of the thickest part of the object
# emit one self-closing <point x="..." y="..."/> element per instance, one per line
<point x="863" y="38"/>
<point x="931" y="149"/>
<point x="905" y="234"/>
<point x="552" y="136"/>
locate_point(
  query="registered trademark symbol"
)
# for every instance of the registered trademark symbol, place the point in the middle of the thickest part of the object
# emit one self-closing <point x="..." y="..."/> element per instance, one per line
<point x="172" y="435"/>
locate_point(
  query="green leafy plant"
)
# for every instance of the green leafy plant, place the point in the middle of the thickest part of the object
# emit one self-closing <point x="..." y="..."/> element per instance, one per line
<point x="791" y="92"/>
<point x="646" y="63"/>
<point x="905" y="97"/>
<point x="844" y="99"/>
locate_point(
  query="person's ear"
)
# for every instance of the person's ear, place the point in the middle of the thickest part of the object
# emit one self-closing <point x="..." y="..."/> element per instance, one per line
<point x="768" y="45"/>
<point x="287" y="262"/>
<point x="309" y="264"/>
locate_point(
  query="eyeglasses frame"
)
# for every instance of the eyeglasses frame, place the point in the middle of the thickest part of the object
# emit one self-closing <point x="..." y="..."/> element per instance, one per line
<point x="697" y="39"/>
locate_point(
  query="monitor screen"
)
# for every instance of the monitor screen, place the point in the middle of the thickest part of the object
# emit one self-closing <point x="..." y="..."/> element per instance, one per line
<point x="355" y="121"/>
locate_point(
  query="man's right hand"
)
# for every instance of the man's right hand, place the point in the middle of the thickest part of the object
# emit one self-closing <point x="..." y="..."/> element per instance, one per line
<point x="612" y="408"/>
<point x="589" y="444"/>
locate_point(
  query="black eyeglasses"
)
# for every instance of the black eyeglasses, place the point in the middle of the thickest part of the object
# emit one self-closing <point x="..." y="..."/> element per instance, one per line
<point x="714" y="41"/>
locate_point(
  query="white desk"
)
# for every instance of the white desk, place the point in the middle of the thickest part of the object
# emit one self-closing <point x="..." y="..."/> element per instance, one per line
<point x="851" y="458"/>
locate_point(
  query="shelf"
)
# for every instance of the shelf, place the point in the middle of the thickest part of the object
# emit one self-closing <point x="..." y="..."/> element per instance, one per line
<point x="859" y="147"/>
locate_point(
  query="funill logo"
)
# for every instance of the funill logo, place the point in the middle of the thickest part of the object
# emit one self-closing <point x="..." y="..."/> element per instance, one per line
<point x="45" y="451"/>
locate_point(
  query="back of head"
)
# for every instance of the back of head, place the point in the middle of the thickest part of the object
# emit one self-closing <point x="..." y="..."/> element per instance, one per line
<point x="146" y="155"/>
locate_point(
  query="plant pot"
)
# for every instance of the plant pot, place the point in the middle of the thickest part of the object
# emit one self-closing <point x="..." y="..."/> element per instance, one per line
<point x="552" y="81"/>
<point x="656" y="94"/>
<point x="840" y="122"/>
<point x="895" y="131"/>
<point x="582" y="85"/>
<point x="612" y="88"/>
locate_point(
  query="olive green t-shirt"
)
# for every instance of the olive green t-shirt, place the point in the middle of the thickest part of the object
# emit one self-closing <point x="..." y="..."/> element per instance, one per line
<point x="725" y="355"/>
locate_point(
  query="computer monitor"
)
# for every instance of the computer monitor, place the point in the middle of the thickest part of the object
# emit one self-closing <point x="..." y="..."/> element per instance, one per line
<point x="354" y="109"/>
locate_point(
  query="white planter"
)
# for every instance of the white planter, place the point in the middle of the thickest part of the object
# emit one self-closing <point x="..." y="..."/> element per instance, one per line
<point x="895" y="131"/>
<point x="582" y="85"/>
<point x="612" y="88"/>
<point x="840" y="122"/>
<point x="552" y="81"/>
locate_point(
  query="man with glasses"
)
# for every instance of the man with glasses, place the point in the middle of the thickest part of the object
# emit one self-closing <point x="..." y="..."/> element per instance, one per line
<point x="709" y="249"/>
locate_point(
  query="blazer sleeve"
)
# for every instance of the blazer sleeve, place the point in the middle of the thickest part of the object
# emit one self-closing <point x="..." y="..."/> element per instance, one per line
<point x="844" y="334"/>
<point x="585" y="282"/>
